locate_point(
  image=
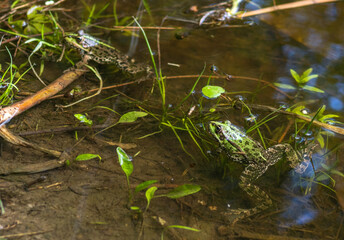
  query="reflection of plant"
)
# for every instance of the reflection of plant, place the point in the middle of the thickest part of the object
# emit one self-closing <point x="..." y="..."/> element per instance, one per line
<point x="324" y="178"/>
<point x="302" y="81"/>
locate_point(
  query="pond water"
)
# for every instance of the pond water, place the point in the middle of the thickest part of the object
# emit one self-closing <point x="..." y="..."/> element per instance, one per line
<point x="89" y="200"/>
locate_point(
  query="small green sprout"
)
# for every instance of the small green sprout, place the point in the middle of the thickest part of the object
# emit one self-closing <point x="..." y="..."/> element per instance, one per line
<point x="301" y="81"/>
<point x="149" y="195"/>
<point x="82" y="118"/>
<point x="87" y="156"/>
<point x="127" y="167"/>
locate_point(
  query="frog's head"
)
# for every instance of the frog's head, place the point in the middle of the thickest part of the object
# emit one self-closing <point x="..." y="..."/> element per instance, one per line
<point x="220" y="129"/>
<point x="225" y="131"/>
<point x="74" y="41"/>
<point x="216" y="127"/>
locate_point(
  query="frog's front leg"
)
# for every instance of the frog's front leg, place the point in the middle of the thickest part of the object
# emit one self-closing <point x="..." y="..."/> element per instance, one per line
<point x="251" y="173"/>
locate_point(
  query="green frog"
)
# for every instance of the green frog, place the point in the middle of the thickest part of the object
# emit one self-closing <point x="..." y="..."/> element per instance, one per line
<point x="245" y="150"/>
<point x="91" y="48"/>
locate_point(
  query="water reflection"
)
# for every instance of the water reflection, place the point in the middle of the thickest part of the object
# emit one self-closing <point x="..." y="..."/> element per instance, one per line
<point x="299" y="212"/>
<point x="335" y="52"/>
<point x="335" y="103"/>
<point x="301" y="209"/>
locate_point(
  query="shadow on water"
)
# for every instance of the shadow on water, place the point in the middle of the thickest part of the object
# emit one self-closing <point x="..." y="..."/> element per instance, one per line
<point x="88" y="200"/>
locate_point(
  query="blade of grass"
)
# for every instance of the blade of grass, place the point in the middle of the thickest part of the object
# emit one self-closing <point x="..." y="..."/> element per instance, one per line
<point x="259" y="133"/>
<point x="115" y="16"/>
<point x="179" y="139"/>
<point x="159" y="79"/>
<point x="195" y="141"/>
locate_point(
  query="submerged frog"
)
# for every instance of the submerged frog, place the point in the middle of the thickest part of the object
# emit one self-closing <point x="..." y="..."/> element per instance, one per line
<point x="93" y="49"/>
<point x="243" y="149"/>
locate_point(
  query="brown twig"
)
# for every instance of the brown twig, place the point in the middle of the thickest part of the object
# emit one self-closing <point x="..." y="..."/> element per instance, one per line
<point x="16" y="140"/>
<point x="7" y="169"/>
<point x="104" y="88"/>
<point x="283" y="7"/>
<point x="235" y="77"/>
<point x="286" y="130"/>
<point x="17" y="235"/>
<point x="243" y="233"/>
<point x="133" y="28"/>
<point x="7" y="113"/>
<point x="332" y="128"/>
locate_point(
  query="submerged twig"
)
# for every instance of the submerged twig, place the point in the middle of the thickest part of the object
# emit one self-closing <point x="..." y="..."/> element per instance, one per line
<point x="332" y="128"/>
<point x="234" y="77"/>
<point x="132" y="28"/>
<point x="283" y="7"/>
<point x="17" y="235"/>
<point x="16" y="140"/>
<point x="243" y="233"/>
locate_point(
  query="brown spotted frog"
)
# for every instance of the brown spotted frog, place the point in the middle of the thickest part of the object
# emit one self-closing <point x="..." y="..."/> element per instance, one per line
<point x="91" y="48"/>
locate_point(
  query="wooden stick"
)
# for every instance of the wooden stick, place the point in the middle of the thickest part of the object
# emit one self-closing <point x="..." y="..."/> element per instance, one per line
<point x="283" y="7"/>
<point x="7" y="113"/>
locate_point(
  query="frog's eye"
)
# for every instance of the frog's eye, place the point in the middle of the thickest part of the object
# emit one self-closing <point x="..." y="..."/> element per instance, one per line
<point x="218" y="129"/>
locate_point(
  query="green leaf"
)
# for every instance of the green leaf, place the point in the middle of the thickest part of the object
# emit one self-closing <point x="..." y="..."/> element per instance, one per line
<point x="182" y="191"/>
<point x="146" y="5"/>
<point x="150" y="194"/>
<point x="144" y="185"/>
<point x="306" y="73"/>
<point x="125" y="162"/>
<point x="40" y="41"/>
<point x="306" y="79"/>
<point x="39" y="45"/>
<point x="321" y="141"/>
<point x="135" y="208"/>
<point x="82" y="118"/>
<point x="326" y="117"/>
<point x="284" y="86"/>
<point x="322" y="110"/>
<point x="295" y="75"/>
<point x="212" y="91"/>
<point x="313" y="89"/>
<point x="334" y="171"/>
<point x="87" y="156"/>
<point x="297" y="109"/>
<point x="131" y="116"/>
<point x="31" y="13"/>
<point x="184" y="227"/>
<point x="322" y="177"/>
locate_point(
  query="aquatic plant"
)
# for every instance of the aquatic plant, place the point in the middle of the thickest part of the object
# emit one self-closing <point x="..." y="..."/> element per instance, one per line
<point x="301" y="81"/>
<point x="127" y="166"/>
